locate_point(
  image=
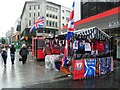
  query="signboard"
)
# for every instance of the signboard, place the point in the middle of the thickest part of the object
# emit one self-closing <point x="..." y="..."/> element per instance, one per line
<point x="90" y="67"/>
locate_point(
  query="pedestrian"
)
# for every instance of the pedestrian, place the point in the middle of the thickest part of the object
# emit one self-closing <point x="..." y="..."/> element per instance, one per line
<point x="12" y="54"/>
<point x="4" y="55"/>
<point x="24" y="52"/>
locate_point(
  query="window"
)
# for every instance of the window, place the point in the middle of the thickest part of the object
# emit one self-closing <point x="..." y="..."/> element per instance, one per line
<point x="56" y="24"/>
<point x="47" y="15"/>
<point x="29" y="22"/>
<point x="34" y="7"/>
<point x="50" y="23"/>
<point x="34" y="14"/>
<point x="63" y="11"/>
<point x="53" y="16"/>
<point x="29" y="14"/>
<point x="38" y="6"/>
<point x="38" y="14"/>
<point x="56" y="17"/>
<point x="63" y="24"/>
<point x="29" y="7"/>
<point x="47" y="23"/>
<point x="53" y="24"/>
<point x="50" y="15"/>
<point x="63" y="18"/>
<point x="47" y="7"/>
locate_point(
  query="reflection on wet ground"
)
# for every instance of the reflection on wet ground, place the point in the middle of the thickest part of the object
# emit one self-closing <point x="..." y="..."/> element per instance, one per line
<point x="35" y="75"/>
<point x="20" y="75"/>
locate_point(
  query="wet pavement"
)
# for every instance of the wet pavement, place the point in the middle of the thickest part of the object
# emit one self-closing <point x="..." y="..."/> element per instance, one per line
<point x="35" y="75"/>
<point x="21" y="75"/>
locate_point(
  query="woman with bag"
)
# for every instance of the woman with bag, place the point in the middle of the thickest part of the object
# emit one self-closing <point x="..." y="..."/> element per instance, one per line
<point x="12" y="54"/>
<point x="24" y="52"/>
<point x="4" y="56"/>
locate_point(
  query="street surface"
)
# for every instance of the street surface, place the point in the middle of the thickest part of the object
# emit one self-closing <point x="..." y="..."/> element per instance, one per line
<point x="34" y="75"/>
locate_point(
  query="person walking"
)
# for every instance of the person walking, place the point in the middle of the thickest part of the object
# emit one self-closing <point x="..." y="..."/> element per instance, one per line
<point x="4" y="55"/>
<point x="24" y="52"/>
<point x="12" y="54"/>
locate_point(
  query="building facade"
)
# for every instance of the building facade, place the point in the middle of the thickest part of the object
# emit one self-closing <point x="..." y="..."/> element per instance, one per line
<point x="54" y="17"/>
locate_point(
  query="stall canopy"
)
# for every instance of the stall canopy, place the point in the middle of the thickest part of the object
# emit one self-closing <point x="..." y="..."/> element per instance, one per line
<point x="92" y="32"/>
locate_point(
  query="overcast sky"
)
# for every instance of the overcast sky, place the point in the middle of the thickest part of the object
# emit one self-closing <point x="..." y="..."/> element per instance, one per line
<point x="10" y="10"/>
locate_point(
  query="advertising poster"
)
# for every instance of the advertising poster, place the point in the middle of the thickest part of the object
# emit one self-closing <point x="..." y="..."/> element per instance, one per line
<point x="108" y="67"/>
<point x="98" y="66"/>
<point x="102" y="66"/>
<point x="90" y="67"/>
<point x="78" y="69"/>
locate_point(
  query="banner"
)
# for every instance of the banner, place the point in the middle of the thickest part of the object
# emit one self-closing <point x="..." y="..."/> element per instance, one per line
<point x="108" y="67"/>
<point x="78" y="69"/>
<point x="102" y="66"/>
<point x="90" y="67"/>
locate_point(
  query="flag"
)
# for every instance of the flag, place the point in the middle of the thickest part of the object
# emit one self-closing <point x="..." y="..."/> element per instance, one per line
<point x="39" y="23"/>
<point x="70" y="33"/>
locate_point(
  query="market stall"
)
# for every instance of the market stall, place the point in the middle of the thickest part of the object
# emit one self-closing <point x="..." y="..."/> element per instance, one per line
<point x="91" y="53"/>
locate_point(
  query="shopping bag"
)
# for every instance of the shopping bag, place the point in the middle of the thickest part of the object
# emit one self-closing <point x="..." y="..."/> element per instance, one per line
<point x="20" y="59"/>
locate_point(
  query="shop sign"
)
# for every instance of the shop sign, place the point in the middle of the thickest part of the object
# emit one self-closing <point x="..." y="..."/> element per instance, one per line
<point x="114" y="24"/>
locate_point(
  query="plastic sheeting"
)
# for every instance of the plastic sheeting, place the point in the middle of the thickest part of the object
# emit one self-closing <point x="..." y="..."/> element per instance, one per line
<point x="50" y="61"/>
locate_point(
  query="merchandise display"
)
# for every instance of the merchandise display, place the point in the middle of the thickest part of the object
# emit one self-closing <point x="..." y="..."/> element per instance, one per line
<point x="91" y="53"/>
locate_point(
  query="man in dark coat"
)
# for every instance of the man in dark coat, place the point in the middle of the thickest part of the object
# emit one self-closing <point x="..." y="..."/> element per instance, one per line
<point x="24" y="52"/>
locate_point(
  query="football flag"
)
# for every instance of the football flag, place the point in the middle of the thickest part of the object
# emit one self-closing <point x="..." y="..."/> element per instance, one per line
<point x="70" y="33"/>
<point x="39" y="23"/>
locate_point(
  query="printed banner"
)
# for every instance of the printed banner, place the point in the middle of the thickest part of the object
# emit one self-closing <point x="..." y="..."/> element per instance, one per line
<point x="78" y="69"/>
<point x="102" y="65"/>
<point x="90" y="67"/>
<point x="108" y="67"/>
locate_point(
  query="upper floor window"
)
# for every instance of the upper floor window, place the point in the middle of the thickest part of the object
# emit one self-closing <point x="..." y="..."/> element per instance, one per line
<point x="34" y="14"/>
<point x="56" y="17"/>
<point x="29" y="22"/>
<point x="63" y="18"/>
<point x="38" y="14"/>
<point x="34" y="7"/>
<point x="47" y="15"/>
<point x="29" y="7"/>
<point x="29" y="14"/>
<point x="63" y="11"/>
<point x="38" y="6"/>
